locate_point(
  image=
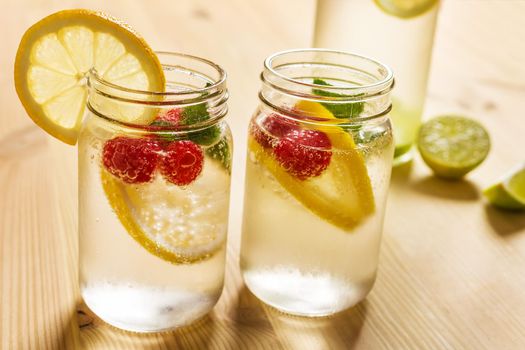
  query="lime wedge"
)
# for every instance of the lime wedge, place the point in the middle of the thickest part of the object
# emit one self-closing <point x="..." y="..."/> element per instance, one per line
<point x="406" y="122"/>
<point x="453" y="145"/>
<point x="509" y="193"/>
<point x="406" y="8"/>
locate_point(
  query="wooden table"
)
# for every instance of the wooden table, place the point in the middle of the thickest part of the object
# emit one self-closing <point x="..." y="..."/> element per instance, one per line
<point x="452" y="271"/>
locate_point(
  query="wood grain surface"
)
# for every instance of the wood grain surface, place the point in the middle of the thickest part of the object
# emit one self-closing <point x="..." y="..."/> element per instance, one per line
<point x="452" y="270"/>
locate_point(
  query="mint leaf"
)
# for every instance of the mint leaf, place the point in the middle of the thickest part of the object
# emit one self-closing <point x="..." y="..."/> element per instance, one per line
<point x="191" y="115"/>
<point x="197" y="114"/>
<point x="221" y="152"/>
<point x="164" y="135"/>
<point x="346" y="110"/>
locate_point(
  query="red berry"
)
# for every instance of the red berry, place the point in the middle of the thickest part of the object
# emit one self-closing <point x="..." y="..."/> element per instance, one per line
<point x="304" y="153"/>
<point x="272" y="127"/>
<point x="182" y="162"/>
<point x="172" y="116"/>
<point x="133" y="160"/>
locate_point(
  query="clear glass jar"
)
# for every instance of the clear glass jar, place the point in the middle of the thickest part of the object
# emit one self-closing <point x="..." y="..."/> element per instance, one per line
<point x="400" y="33"/>
<point x="154" y="197"/>
<point x="320" y="151"/>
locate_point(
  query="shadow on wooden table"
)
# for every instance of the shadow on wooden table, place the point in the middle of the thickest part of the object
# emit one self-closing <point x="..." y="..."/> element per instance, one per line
<point x="401" y="173"/>
<point x="462" y="190"/>
<point x="210" y="332"/>
<point x="339" y="331"/>
<point x="247" y="324"/>
<point x="505" y="223"/>
<point x="99" y="335"/>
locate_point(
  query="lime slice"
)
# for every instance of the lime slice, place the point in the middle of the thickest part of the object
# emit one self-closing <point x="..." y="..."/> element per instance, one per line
<point x="509" y="193"/>
<point x="55" y="55"/>
<point x="179" y="225"/>
<point x="342" y="195"/>
<point x="453" y="145"/>
<point x="405" y="8"/>
<point x="406" y="122"/>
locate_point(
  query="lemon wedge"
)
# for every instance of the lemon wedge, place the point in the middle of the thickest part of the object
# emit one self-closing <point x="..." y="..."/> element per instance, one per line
<point x="406" y="8"/>
<point x="343" y="194"/>
<point x="55" y="55"/>
<point x="179" y="225"/>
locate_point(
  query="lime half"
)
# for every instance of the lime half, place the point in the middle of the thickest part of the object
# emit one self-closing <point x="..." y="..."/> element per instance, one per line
<point x="453" y="145"/>
<point x="509" y="193"/>
<point x="406" y="8"/>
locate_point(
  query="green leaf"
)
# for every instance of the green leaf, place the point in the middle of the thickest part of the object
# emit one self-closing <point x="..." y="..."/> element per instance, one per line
<point x="192" y="115"/>
<point x="346" y="110"/>
<point x="222" y="153"/>
<point x="197" y="114"/>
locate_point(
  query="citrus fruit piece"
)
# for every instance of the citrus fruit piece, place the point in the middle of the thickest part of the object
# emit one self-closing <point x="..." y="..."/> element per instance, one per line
<point x="405" y="122"/>
<point x="342" y="194"/>
<point x="453" y="145"/>
<point x="509" y="193"/>
<point x="405" y="8"/>
<point x="55" y="56"/>
<point x="221" y="153"/>
<point x="179" y="225"/>
<point x="345" y="110"/>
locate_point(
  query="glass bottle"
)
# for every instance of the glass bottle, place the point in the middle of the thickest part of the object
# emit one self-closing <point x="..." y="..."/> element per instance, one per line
<point x="399" y="33"/>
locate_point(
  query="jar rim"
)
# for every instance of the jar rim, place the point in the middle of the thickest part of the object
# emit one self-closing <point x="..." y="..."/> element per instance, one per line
<point x="184" y="75"/>
<point x="218" y="83"/>
<point x="352" y="88"/>
<point x="358" y="92"/>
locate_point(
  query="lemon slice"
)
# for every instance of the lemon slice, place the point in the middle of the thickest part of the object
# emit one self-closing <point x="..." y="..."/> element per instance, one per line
<point x="342" y="195"/>
<point x="178" y="225"/>
<point x="55" y="55"/>
<point x="406" y="8"/>
<point x="509" y="193"/>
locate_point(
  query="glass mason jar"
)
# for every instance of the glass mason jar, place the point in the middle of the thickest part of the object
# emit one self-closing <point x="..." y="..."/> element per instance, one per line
<point x="154" y="197"/>
<point x="320" y="151"/>
<point x="400" y="33"/>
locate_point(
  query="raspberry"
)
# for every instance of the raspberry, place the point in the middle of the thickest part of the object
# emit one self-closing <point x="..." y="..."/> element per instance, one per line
<point x="272" y="126"/>
<point x="133" y="160"/>
<point x="165" y="125"/>
<point x="304" y="153"/>
<point x="182" y="162"/>
<point x="172" y="117"/>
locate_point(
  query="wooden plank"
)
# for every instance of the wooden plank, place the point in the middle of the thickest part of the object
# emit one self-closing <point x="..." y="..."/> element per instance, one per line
<point x="451" y="274"/>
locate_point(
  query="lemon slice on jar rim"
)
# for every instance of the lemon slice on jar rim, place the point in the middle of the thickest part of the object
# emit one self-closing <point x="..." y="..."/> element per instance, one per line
<point x="55" y="55"/>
